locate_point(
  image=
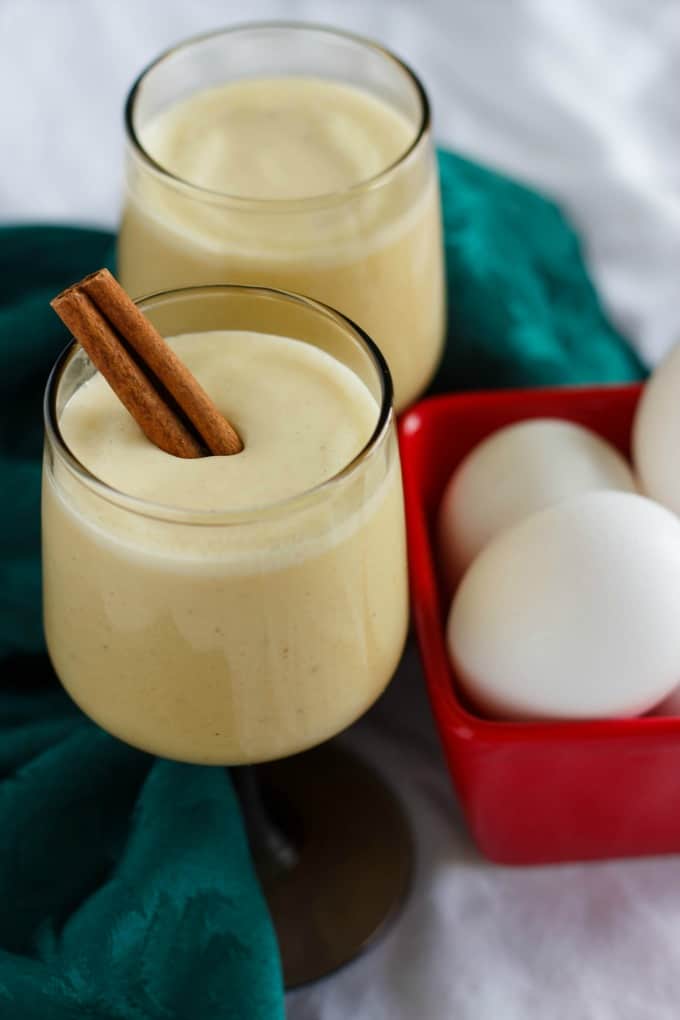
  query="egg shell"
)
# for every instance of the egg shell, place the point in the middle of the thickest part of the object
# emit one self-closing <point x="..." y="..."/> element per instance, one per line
<point x="656" y="433"/>
<point x="515" y="472"/>
<point x="573" y="613"/>
<point x="670" y="705"/>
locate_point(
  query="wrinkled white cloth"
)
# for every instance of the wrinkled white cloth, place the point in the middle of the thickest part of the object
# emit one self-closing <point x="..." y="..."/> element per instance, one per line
<point x="580" y="99"/>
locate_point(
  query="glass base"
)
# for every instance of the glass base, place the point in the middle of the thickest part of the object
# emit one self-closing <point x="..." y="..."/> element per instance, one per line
<point x="337" y="863"/>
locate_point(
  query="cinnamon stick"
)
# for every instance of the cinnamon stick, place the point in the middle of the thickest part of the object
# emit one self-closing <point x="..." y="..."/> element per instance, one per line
<point x="143" y="370"/>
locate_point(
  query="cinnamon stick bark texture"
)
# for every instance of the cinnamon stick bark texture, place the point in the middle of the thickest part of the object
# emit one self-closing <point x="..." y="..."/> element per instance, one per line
<point x="143" y="370"/>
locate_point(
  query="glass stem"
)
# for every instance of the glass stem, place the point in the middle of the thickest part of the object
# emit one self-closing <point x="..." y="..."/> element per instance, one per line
<point x="274" y="852"/>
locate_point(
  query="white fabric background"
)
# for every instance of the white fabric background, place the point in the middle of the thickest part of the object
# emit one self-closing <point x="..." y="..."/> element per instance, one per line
<point x="580" y="98"/>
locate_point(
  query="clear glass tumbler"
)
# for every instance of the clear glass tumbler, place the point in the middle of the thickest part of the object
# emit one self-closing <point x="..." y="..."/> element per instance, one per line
<point x="231" y="637"/>
<point x="373" y="250"/>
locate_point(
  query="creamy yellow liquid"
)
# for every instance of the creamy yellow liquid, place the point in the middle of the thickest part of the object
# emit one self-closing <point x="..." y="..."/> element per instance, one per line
<point x="374" y="253"/>
<point x="232" y="643"/>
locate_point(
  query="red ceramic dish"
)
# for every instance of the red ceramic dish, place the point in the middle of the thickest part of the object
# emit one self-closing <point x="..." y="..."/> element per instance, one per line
<point x="532" y="792"/>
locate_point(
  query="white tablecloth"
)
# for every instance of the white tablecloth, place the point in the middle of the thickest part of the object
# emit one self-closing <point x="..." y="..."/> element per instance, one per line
<point x="580" y="98"/>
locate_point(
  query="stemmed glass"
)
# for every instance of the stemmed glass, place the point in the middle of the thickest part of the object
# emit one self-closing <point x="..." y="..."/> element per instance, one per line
<point x="236" y="637"/>
<point x="372" y="250"/>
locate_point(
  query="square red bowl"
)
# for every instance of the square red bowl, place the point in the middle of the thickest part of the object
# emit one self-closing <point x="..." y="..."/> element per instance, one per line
<point x="532" y="792"/>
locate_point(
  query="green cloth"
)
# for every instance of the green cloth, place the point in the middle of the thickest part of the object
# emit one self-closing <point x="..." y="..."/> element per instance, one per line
<point x="126" y="887"/>
<point x="522" y="308"/>
<point x="126" y="891"/>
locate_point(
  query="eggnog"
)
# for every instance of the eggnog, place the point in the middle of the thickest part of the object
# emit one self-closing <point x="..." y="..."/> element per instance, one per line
<point x="226" y="610"/>
<point x="309" y="185"/>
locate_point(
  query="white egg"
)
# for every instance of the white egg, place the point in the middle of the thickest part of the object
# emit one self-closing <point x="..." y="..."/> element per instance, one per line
<point x="656" y="434"/>
<point x="573" y="613"/>
<point x="669" y="705"/>
<point x="513" y="473"/>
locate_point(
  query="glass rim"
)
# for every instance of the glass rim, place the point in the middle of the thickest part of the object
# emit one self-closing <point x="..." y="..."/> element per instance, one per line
<point x="283" y="204"/>
<point x="223" y="516"/>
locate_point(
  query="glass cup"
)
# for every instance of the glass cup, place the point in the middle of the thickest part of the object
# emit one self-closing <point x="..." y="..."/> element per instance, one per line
<point x="230" y="637"/>
<point x="374" y="250"/>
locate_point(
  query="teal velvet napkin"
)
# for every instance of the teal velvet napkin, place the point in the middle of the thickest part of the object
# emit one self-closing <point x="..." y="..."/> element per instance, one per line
<point x="522" y="308"/>
<point x="126" y="886"/>
<point x="126" y="890"/>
